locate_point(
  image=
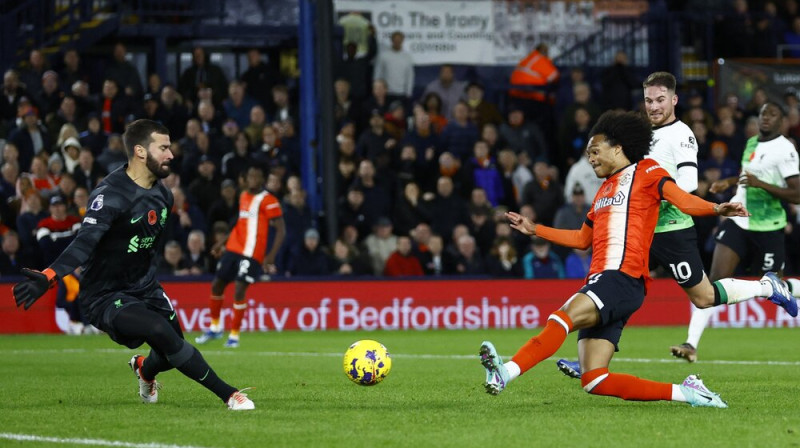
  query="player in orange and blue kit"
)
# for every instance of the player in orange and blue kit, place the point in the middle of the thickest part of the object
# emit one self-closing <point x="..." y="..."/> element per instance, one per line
<point x="246" y="257"/>
<point x="619" y="227"/>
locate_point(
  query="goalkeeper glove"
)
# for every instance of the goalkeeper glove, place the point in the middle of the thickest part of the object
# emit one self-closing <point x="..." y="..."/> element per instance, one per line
<point x="27" y="292"/>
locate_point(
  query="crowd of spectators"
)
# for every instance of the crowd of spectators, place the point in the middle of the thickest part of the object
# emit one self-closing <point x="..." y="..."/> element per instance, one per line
<point x="423" y="179"/>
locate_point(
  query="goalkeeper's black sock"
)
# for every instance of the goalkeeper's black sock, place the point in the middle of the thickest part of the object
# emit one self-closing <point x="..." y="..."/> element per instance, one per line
<point x="153" y="365"/>
<point x="190" y="362"/>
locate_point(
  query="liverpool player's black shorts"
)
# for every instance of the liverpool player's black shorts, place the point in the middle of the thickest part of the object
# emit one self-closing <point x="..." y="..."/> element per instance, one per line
<point x="104" y="310"/>
<point x="617" y="296"/>
<point x="677" y="252"/>
<point x="233" y="266"/>
<point x="766" y="250"/>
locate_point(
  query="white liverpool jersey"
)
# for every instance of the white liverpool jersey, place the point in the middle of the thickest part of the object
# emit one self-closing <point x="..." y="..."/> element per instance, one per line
<point x="771" y="162"/>
<point x="673" y="146"/>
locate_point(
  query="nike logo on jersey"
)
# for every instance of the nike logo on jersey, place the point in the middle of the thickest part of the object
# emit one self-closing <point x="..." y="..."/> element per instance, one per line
<point x="173" y="315"/>
<point x="135" y="220"/>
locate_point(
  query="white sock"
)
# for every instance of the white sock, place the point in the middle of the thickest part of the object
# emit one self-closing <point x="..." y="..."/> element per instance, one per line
<point x="513" y="370"/>
<point x="697" y="324"/>
<point x="677" y="395"/>
<point x="794" y="286"/>
<point x="740" y="290"/>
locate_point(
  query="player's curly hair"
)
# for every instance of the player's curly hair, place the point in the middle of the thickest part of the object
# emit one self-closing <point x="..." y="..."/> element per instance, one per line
<point x="631" y="130"/>
<point x="139" y="133"/>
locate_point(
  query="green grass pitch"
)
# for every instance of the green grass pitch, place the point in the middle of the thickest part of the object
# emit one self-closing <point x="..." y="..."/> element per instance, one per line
<point x="78" y="391"/>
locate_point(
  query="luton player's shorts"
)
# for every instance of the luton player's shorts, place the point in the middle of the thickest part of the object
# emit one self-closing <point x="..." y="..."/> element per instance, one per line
<point x="232" y="266"/>
<point x="105" y="312"/>
<point x="766" y="251"/>
<point x="617" y="296"/>
<point x="678" y="253"/>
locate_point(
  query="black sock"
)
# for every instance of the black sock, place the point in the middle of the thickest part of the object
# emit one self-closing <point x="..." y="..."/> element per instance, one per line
<point x="190" y="362"/>
<point x="154" y="364"/>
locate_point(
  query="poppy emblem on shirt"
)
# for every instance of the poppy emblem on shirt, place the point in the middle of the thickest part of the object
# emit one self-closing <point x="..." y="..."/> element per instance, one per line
<point x="152" y="217"/>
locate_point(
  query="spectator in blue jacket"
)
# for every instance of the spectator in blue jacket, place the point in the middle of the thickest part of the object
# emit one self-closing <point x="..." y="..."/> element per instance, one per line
<point x="485" y="174"/>
<point x="238" y="105"/>
<point x="541" y="261"/>
<point x="577" y="263"/>
<point x="460" y="134"/>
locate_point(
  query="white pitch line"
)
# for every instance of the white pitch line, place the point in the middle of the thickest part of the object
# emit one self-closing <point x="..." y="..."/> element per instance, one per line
<point x="93" y="442"/>
<point x="401" y="356"/>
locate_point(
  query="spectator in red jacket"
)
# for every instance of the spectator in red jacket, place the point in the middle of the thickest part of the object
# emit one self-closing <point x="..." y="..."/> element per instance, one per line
<point x="401" y="262"/>
<point x="54" y="233"/>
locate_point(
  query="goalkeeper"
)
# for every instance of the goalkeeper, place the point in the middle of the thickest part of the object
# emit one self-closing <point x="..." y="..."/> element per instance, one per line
<point x="120" y="236"/>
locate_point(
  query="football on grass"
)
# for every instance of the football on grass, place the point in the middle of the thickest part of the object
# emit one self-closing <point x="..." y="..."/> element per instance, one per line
<point x="367" y="362"/>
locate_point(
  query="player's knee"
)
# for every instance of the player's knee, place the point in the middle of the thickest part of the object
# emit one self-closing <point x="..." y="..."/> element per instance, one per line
<point x="240" y="290"/>
<point x="181" y="355"/>
<point x="702" y="295"/>
<point x="702" y="300"/>
<point x="218" y="287"/>
<point x="162" y="336"/>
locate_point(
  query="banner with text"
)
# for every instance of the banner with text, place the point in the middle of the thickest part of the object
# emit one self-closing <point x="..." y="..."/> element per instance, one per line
<point x="484" y="32"/>
<point x="435" y="31"/>
<point x="404" y="305"/>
